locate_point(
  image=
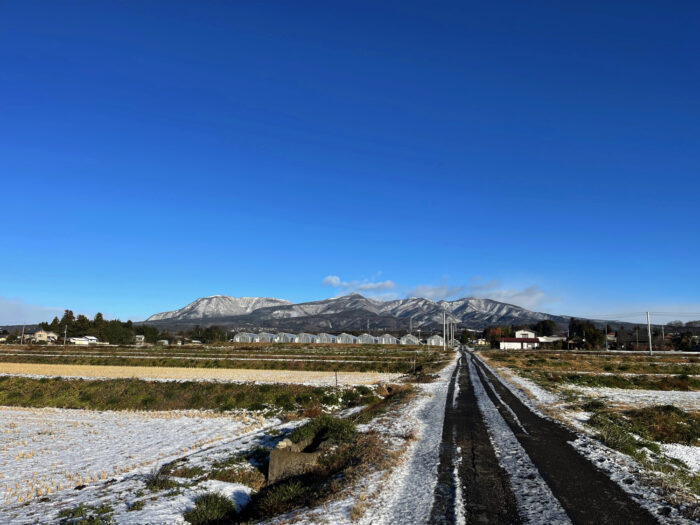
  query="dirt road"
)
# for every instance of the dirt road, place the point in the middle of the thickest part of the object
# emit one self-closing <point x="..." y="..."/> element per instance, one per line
<point x="501" y="463"/>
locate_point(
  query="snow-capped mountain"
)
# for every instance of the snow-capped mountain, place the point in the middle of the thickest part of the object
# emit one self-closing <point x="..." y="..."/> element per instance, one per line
<point x="218" y="306"/>
<point x="350" y="312"/>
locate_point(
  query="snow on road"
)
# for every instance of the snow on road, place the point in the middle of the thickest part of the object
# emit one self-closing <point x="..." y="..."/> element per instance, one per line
<point x="536" y="503"/>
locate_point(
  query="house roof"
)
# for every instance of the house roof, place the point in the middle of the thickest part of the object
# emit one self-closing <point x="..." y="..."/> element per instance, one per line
<point x="520" y="340"/>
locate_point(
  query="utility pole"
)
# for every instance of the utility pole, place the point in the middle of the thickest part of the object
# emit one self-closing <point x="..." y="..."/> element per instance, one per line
<point x="444" y="330"/>
<point x="21" y="341"/>
<point x="606" y="337"/>
<point x="663" y="337"/>
<point x="65" y="333"/>
<point x="649" y="332"/>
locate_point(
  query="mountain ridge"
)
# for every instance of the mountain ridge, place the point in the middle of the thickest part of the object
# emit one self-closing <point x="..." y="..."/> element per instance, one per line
<point x="348" y="312"/>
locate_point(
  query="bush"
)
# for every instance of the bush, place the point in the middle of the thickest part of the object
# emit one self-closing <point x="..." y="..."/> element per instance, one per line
<point x="86" y="515"/>
<point x="612" y="432"/>
<point x="280" y="498"/>
<point x="158" y="479"/>
<point x="325" y="428"/>
<point x="210" y="508"/>
<point x="665" y="423"/>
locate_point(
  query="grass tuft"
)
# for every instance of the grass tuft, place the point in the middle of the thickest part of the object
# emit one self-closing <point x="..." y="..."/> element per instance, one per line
<point x="211" y="508"/>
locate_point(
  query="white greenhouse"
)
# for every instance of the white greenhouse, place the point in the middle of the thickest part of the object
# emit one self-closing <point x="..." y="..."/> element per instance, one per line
<point x="409" y="339"/>
<point x="367" y="339"/>
<point x="346" y="339"/>
<point x="305" y="338"/>
<point x="434" y="340"/>
<point x="387" y="339"/>
<point x="244" y="337"/>
<point x="284" y="337"/>
<point x="325" y="338"/>
<point x="264" y="337"/>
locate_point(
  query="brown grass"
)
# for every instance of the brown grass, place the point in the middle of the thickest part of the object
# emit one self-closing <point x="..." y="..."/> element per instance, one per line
<point x="173" y="373"/>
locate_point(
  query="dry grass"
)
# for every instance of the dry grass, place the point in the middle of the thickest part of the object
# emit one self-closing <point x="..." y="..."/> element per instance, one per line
<point x="549" y="369"/>
<point x="206" y="374"/>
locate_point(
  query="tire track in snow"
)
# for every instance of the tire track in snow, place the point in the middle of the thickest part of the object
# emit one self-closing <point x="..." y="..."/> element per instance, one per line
<point x="535" y="500"/>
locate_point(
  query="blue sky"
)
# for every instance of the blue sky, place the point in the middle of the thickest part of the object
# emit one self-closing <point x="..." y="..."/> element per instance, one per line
<point x="542" y="153"/>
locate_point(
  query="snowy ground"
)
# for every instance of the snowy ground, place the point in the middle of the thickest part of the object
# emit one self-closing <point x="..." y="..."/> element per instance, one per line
<point x="46" y="453"/>
<point x="403" y="494"/>
<point x="642" y="398"/>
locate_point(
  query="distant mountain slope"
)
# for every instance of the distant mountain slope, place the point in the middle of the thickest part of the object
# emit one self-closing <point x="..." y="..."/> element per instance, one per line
<point x="350" y="312"/>
<point x="217" y="306"/>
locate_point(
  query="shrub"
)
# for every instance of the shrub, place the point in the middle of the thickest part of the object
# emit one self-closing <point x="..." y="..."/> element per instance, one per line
<point x="280" y="498"/>
<point x="86" y="515"/>
<point x="158" y="479"/>
<point x="210" y="508"/>
<point x="665" y="423"/>
<point x="325" y="428"/>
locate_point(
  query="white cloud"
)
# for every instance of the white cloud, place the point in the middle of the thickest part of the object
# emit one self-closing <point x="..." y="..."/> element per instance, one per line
<point x="365" y="285"/>
<point x="437" y="292"/>
<point x="530" y="297"/>
<point x="332" y="280"/>
<point x="15" y="311"/>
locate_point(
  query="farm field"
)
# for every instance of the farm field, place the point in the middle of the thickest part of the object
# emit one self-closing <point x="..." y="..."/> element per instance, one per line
<point x="159" y="373"/>
<point x="646" y="408"/>
<point x="346" y="358"/>
<point x="141" y="443"/>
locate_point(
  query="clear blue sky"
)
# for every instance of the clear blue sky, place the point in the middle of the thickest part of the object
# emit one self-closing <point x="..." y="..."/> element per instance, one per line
<point x="545" y="153"/>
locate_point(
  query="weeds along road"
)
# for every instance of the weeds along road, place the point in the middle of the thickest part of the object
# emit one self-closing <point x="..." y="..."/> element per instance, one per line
<point x="500" y="463"/>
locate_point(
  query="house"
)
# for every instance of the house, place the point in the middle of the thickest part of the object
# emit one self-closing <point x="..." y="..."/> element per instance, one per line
<point x="346" y="339"/>
<point x="409" y="339"/>
<point x="305" y="338"/>
<point x="42" y="336"/>
<point x="518" y="343"/>
<point x="84" y="341"/>
<point x="434" y="340"/>
<point x="244" y="337"/>
<point x="264" y="337"/>
<point x="525" y="334"/>
<point x="139" y="339"/>
<point x="284" y="337"/>
<point x="367" y="339"/>
<point x="387" y="339"/>
<point x="325" y="338"/>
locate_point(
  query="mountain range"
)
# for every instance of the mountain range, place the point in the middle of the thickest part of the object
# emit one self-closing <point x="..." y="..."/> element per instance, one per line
<point x="349" y="312"/>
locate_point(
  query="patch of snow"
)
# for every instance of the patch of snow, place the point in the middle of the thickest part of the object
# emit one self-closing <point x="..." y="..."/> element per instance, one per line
<point x="46" y="453"/>
<point x="641" y="398"/>
<point x="687" y="454"/>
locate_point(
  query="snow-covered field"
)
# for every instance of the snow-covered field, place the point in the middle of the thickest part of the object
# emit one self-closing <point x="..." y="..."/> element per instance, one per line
<point x="643" y="398"/>
<point x="235" y="375"/>
<point x="47" y="453"/>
